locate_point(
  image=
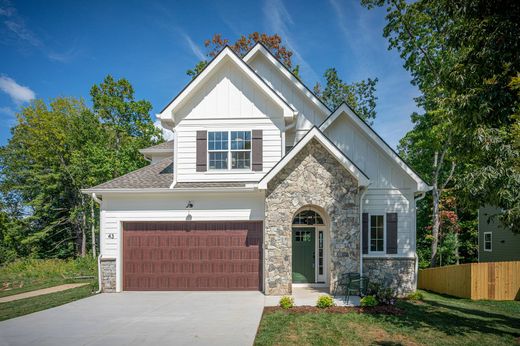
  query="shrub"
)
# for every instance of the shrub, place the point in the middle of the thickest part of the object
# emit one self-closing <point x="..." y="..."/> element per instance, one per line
<point x="325" y="301"/>
<point x="384" y="295"/>
<point x="369" y="301"/>
<point x="415" y="296"/>
<point x="286" y="302"/>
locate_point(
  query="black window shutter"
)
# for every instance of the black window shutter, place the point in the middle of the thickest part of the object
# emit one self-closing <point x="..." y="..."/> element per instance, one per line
<point x="257" y="150"/>
<point x="202" y="151"/>
<point x="364" y="231"/>
<point x="391" y="233"/>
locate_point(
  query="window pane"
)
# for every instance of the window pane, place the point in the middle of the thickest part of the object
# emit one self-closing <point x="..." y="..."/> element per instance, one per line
<point x="240" y="159"/>
<point x="377" y="233"/>
<point x="218" y="160"/>
<point x="240" y="140"/>
<point x="217" y="141"/>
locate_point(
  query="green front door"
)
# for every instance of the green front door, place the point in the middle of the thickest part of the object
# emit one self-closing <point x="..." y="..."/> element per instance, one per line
<point x="303" y="251"/>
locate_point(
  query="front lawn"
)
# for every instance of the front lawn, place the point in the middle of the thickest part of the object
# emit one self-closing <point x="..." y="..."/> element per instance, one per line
<point x="32" y="274"/>
<point x="438" y="320"/>
<point x="29" y="305"/>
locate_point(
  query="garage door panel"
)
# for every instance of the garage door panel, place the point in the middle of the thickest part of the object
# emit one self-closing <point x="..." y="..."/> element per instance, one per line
<point x="192" y="255"/>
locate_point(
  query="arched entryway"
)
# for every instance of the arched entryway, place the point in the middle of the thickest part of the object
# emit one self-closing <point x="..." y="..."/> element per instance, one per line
<point x="310" y="239"/>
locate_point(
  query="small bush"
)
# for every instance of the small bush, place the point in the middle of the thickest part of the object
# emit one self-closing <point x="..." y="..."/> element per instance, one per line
<point x="369" y="301"/>
<point x="325" y="301"/>
<point x="286" y="302"/>
<point x="415" y="296"/>
<point x="384" y="295"/>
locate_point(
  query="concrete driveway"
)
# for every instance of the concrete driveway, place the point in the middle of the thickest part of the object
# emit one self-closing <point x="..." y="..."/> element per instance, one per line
<point x="142" y="318"/>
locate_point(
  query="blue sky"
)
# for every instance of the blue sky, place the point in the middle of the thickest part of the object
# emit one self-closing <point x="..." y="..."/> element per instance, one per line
<point x="62" y="48"/>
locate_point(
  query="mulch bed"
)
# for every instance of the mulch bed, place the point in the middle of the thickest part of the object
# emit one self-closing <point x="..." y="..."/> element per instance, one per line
<point x="380" y="309"/>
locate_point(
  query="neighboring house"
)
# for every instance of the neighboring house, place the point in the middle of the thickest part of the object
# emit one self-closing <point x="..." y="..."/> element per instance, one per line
<point x="263" y="187"/>
<point x="495" y="242"/>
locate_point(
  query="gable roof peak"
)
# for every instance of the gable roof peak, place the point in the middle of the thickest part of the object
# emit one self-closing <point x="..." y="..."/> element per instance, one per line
<point x="167" y="115"/>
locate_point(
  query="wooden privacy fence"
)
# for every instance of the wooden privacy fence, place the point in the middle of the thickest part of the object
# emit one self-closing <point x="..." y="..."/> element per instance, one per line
<point x="492" y="280"/>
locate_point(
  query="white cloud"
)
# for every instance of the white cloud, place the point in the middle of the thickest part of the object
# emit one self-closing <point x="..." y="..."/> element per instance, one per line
<point x="17" y="92"/>
<point x="7" y="111"/>
<point x="278" y="19"/>
<point x="17" y="27"/>
<point x="195" y="48"/>
<point x="167" y="134"/>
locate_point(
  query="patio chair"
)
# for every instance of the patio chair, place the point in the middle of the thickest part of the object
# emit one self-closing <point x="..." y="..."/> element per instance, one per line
<point x="353" y="283"/>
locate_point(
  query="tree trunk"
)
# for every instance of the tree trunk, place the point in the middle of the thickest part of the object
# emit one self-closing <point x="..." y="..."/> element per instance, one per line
<point x="83" y="236"/>
<point x="436" y="224"/>
<point x="93" y="228"/>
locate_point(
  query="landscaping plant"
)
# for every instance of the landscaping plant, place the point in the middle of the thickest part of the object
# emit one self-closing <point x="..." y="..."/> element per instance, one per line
<point x="415" y="296"/>
<point x="286" y="302"/>
<point x="384" y="295"/>
<point x="369" y="301"/>
<point x="325" y="301"/>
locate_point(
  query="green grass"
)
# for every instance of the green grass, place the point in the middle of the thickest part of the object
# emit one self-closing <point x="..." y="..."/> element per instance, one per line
<point x="29" y="305"/>
<point x="438" y="320"/>
<point x="32" y="274"/>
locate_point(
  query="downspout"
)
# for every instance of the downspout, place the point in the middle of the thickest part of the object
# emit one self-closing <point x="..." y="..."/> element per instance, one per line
<point x="100" y="287"/>
<point x="420" y="197"/>
<point x="365" y="190"/>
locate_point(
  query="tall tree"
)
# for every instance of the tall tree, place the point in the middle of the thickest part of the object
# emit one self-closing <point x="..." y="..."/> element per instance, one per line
<point x="242" y="45"/>
<point x="58" y="149"/>
<point x="463" y="56"/>
<point x="358" y="95"/>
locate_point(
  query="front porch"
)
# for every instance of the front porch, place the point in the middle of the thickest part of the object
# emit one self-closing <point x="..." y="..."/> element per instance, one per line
<point x="308" y="295"/>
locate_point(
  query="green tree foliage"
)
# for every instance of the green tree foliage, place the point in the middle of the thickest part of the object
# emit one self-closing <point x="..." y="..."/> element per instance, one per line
<point x="463" y="56"/>
<point x="358" y="95"/>
<point x="58" y="149"/>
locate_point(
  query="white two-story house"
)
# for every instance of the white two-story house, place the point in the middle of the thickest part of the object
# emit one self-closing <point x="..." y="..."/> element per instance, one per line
<point x="263" y="188"/>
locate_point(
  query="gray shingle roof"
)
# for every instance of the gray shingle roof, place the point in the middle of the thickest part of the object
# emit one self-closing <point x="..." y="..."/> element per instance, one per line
<point x="156" y="176"/>
<point x="168" y="145"/>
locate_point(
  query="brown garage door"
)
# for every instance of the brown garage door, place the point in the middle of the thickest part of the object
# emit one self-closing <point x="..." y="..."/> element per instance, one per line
<point x="192" y="255"/>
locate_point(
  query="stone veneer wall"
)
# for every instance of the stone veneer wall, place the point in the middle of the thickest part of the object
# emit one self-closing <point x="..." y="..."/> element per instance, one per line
<point x="312" y="178"/>
<point x="108" y="275"/>
<point x="397" y="273"/>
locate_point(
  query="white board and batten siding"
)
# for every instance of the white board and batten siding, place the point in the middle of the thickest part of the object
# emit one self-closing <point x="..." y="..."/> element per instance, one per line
<point x="221" y="206"/>
<point x="309" y="114"/>
<point x="228" y="101"/>
<point x="391" y="189"/>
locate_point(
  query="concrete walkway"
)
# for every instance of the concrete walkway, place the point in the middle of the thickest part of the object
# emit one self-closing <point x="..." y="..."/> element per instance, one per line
<point x="40" y="292"/>
<point x="142" y="318"/>
<point x="307" y="296"/>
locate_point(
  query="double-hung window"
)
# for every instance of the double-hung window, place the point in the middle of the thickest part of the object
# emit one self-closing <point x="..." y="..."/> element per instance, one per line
<point x="229" y="150"/>
<point x="488" y="241"/>
<point x="377" y="233"/>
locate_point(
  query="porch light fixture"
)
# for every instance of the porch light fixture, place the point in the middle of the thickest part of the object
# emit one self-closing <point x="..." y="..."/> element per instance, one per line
<point x="189" y="205"/>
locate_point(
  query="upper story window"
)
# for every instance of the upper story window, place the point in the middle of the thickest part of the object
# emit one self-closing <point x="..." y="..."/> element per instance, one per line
<point x="488" y="241"/>
<point x="377" y="233"/>
<point x="229" y="149"/>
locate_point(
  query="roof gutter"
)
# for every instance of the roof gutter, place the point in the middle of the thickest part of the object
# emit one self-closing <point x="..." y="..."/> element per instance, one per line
<point x="168" y="190"/>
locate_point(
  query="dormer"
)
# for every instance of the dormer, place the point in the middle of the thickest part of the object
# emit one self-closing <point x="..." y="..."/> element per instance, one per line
<point x="229" y="124"/>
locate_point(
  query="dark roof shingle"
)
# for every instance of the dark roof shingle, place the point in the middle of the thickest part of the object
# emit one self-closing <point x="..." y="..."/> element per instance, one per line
<point x="156" y="176"/>
<point x="168" y="145"/>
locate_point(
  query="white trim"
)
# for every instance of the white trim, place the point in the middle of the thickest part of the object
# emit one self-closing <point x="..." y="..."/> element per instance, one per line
<point x="226" y="54"/>
<point x="345" y="109"/>
<point x="382" y="252"/>
<point x="259" y="48"/>
<point x="247" y="188"/>
<point x="490" y="242"/>
<point x="362" y="179"/>
<point x="230" y="152"/>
